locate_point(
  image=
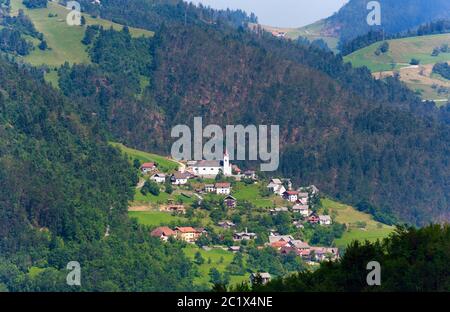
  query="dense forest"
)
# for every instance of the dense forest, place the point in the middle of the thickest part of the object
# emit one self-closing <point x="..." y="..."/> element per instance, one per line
<point x="396" y="16"/>
<point x="359" y="139"/>
<point x="58" y="198"/>
<point x="411" y="260"/>
<point x="151" y="14"/>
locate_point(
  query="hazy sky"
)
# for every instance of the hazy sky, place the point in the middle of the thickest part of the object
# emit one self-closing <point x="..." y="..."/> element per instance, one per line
<point x="282" y="13"/>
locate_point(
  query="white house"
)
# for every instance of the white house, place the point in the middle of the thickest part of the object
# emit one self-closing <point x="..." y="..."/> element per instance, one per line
<point x="180" y="178"/>
<point x="148" y="167"/>
<point x="303" y="198"/>
<point x="263" y="277"/>
<point x="302" y="209"/>
<point x="291" y="196"/>
<point x="158" y="177"/>
<point x="211" y="168"/>
<point x="276" y="186"/>
<point x="244" y="236"/>
<point x="325" y="220"/>
<point x="223" y="188"/>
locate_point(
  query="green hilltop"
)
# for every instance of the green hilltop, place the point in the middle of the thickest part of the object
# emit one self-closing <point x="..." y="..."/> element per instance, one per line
<point x="64" y="41"/>
<point x="397" y="59"/>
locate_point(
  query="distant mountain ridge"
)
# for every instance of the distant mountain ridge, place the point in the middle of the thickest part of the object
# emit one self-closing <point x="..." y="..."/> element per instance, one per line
<point x="396" y="16"/>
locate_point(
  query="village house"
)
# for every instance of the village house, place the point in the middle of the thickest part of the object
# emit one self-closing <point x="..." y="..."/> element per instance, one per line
<point x="163" y="233"/>
<point x="298" y="244"/>
<point x="291" y="196"/>
<point x="325" y="220"/>
<point x="226" y="224"/>
<point x="223" y="188"/>
<point x="276" y="186"/>
<point x="279" y="244"/>
<point x="324" y="253"/>
<point x="276" y="211"/>
<point x="230" y="202"/>
<point x="244" y="236"/>
<point x="188" y="234"/>
<point x="305" y="254"/>
<point x="250" y="174"/>
<point x="312" y="189"/>
<point x="209" y="188"/>
<point x="303" y="210"/>
<point x="234" y="248"/>
<point x="148" y="167"/>
<point x="263" y="278"/>
<point x="158" y="178"/>
<point x="180" y="178"/>
<point x="313" y="218"/>
<point x="302" y="198"/>
<point x="277" y="238"/>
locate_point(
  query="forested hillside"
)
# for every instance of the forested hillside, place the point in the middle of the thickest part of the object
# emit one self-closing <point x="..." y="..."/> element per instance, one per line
<point x="357" y="138"/>
<point x="59" y="196"/>
<point x="412" y="261"/>
<point x="151" y="14"/>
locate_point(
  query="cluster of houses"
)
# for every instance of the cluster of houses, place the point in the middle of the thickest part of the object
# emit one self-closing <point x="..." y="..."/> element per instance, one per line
<point x="286" y="244"/>
<point x="201" y="169"/>
<point x="185" y="233"/>
<point x="300" y="200"/>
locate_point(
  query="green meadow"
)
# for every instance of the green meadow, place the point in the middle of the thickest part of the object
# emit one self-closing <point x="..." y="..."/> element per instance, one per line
<point x="164" y="164"/>
<point x="353" y="218"/>
<point x="64" y="41"/>
<point x="219" y="259"/>
<point x="250" y="193"/>
<point x="400" y="53"/>
<point x="155" y="218"/>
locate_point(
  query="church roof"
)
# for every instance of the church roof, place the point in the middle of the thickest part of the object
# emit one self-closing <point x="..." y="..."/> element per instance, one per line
<point x="208" y="163"/>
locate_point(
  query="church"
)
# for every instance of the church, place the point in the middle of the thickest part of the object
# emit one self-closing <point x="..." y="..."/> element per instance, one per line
<point x="211" y="168"/>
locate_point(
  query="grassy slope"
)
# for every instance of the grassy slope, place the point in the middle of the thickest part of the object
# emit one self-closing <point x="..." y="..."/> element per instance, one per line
<point x="63" y="40"/>
<point x="348" y="215"/>
<point x="164" y="164"/>
<point x="311" y="32"/>
<point x="400" y="53"/>
<point x="215" y="255"/>
<point x="250" y="193"/>
<point x="155" y="218"/>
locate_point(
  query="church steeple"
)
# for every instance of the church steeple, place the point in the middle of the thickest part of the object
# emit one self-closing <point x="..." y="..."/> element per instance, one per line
<point x="226" y="164"/>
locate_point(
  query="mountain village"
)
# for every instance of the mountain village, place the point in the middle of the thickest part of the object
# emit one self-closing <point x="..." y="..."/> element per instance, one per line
<point x="215" y="179"/>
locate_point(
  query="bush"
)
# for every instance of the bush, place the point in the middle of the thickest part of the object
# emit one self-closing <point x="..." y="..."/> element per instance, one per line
<point x="414" y="61"/>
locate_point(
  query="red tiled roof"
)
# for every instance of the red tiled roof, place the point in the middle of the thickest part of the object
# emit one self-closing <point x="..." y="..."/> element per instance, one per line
<point x="164" y="230"/>
<point x="148" y="165"/>
<point x="223" y="185"/>
<point x="186" y="229"/>
<point x="279" y="244"/>
<point x="291" y="192"/>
